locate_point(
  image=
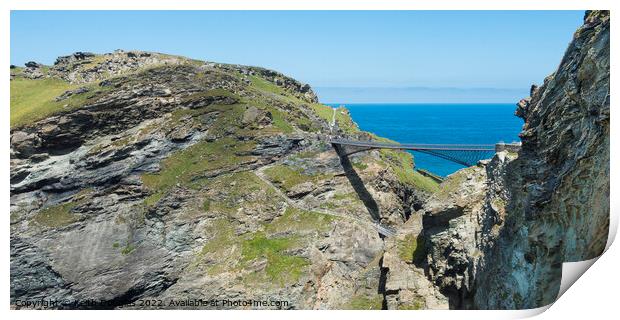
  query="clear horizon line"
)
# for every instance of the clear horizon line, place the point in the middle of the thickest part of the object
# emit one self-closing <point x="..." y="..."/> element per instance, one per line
<point x="377" y="102"/>
<point x="421" y="87"/>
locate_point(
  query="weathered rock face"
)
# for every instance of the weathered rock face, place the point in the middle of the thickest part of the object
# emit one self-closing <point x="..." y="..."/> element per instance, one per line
<point x="496" y="235"/>
<point x="559" y="185"/>
<point x="459" y="222"/>
<point x="167" y="178"/>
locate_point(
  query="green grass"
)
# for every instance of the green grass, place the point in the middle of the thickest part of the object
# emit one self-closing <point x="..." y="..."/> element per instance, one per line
<point x="153" y="199"/>
<point x="342" y="201"/>
<point x="363" y="302"/>
<point x="359" y="165"/>
<point x="280" y="120"/>
<point x="402" y="163"/>
<point x="299" y="220"/>
<point x="222" y="233"/>
<point x="322" y="111"/>
<point x="188" y="164"/>
<point x="127" y="249"/>
<point x="56" y="216"/>
<point x="411" y="248"/>
<point x="61" y="214"/>
<point x="266" y="86"/>
<point x="271" y="89"/>
<point x="218" y="92"/>
<point x="289" y="177"/>
<point x="417" y="304"/>
<point x="306" y="155"/>
<point x="230" y="192"/>
<point x="16" y="71"/>
<point x="498" y="203"/>
<point x="344" y="121"/>
<point x="453" y="182"/>
<point x="33" y="100"/>
<point x="281" y="267"/>
<point x="230" y="252"/>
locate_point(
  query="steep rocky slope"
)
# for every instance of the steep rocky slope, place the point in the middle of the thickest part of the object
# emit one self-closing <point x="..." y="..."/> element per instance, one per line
<point x="559" y="185"/>
<point x="140" y="175"/>
<point x="496" y="235"/>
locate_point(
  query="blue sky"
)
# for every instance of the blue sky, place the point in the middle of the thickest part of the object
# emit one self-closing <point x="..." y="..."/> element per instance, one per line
<point x="337" y="52"/>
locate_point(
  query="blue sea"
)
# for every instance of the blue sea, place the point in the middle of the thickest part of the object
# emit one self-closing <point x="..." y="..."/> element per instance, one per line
<point x="438" y="123"/>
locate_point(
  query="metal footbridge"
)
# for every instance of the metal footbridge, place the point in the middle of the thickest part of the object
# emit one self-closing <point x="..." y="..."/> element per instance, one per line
<point x="463" y="154"/>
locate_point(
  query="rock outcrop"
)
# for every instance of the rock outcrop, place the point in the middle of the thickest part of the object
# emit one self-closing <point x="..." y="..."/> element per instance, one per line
<point x="496" y="235"/>
<point x="559" y="185"/>
<point x="149" y="176"/>
<point x="161" y="177"/>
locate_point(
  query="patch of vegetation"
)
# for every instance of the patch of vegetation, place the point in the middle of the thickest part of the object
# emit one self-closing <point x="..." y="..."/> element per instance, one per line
<point x="498" y="203"/>
<point x="344" y="201"/>
<point x="453" y="182"/>
<point x="411" y="248"/>
<point x="206" y="205"/>
<point x="186" y="166"/>
<point x="127" y="249"/>
<point x="231" y="252"/>
<point x="56" y="216"/>
<point x="402" y="163"/>
<point x="222" y="235"/>
<point x="308" y="154"/>
<point x="218" y="92"/>
<point x="280" y="120"/>
<point x="343" y="196"/>
<point x="363" y="302"/>
<point x="417" y="304"/>
<point x="281" y="267"/>
<point x="269" y="87"/>
<point x="322" y="111"/>
<point x="298" y="220"/>
<point x="237" y="189"/>
<point x="153" y="199"/>
<point x="16" y="71"/>
<point x="289" y="177"/>
<point x="34" y="99"/>
<point x="229" y="119"/>
<point x="61" y="214"/>
<point x="345" y="122"/>
<point x="359" y="165"/>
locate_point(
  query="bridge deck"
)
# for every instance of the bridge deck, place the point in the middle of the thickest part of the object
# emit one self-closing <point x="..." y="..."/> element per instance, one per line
<point x="415" y="146"/>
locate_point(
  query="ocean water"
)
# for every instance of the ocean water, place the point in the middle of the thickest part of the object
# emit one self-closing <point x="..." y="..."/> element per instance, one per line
<point x="438" y="123"/>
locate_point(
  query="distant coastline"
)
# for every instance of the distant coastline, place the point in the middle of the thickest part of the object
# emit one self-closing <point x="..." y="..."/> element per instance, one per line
<point x="394" y="95"/>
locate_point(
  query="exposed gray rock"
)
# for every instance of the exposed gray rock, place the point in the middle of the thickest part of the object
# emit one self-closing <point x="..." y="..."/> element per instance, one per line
<point x="69" y="93"/>
<point x="155" y="186"/>
<point x="497" y="234"/>
<point x="559" y="185"/>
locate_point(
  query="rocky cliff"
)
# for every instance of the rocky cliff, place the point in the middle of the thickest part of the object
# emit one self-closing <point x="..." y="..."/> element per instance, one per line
<point x="559" y="185"/>
<point x="496" y="235"/>
<point x="138" y="175"/>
